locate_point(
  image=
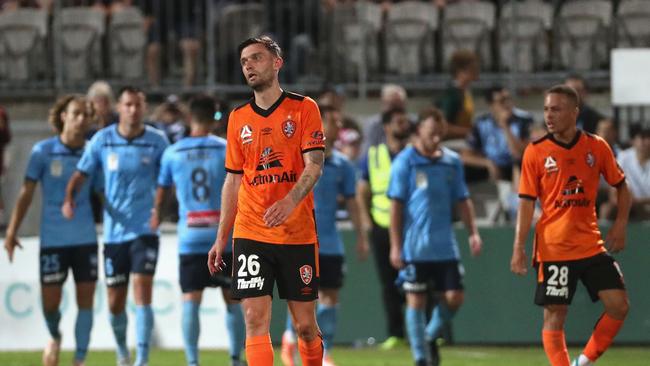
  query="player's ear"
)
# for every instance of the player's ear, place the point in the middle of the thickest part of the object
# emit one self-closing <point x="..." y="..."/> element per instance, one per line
<point x="278" y="63"/>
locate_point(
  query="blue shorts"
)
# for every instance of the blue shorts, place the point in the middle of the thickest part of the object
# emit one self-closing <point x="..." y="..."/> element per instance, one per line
<point x="55" y="263"/>
<point x="139" y="255"/>
<point x="194" y="274"/>
<point x="438" y="276"/>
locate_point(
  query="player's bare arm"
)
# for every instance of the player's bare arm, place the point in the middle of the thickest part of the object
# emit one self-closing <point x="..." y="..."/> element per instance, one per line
<point x="519" y="262"/>
<point x="229" y="194"/>
<point x="154" y="221"/>
<point x="22" y="205"/>
<point x="280" y="210"/>
<point x="75" y="183"/>
<point x="395" y="232"/>
<point x="364" y="197"/>
<point x="466" y="209"/>
<point x="615" y="241"/>
<point x="362" y="236"/>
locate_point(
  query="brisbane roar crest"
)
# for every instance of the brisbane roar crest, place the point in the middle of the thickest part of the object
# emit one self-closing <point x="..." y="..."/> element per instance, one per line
<point x="288" y="128"/>
<point x="306" y="274"/>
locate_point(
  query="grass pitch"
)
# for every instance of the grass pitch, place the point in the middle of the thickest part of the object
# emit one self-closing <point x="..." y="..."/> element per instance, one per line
<point x="451" y="356"/>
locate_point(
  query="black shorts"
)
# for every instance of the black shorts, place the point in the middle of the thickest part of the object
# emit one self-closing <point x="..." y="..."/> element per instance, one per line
<point x="139" y="255"/>
<point x="558" y="281"/>
<point x="332" y="271"/>
<point x="257" y="266"/>
<point x="438" y="276"/>
<point x="55" y="263"/>
<point x="194" y="274"/>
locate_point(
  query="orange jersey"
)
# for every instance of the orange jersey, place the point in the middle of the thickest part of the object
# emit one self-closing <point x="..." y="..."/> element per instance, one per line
<point x="266" y="146"/>
<point x="565" y="178"/>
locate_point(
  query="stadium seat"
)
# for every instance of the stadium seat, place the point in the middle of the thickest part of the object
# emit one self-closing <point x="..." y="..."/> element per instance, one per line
<point x="632" y="23"/>
<point x="22" y="35"/>
<point x="234" y="23"/>
<point x="523" y="42"/>
<point x="355" y="37"/>
<point x="127" y="41"/>
<point x="469" y="25"/>
<point x="81" y="32"/>
<point x="410" y="40"/>
<point x="582" y="34"/>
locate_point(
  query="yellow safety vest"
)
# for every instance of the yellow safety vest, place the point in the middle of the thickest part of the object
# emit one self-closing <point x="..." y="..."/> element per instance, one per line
<point x="379" y="173"/>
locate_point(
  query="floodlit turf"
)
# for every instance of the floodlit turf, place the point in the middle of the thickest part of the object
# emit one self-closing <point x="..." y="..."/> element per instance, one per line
<point x="452" y="356"/>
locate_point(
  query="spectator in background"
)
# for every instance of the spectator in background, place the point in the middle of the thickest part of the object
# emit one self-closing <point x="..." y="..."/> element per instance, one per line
<point x="456" y="102"/>
<point x="5" y="138"/>
<point x="349" y="139"/>
<point x="588" y="117"/>
<point x="607" y="130"/>
<point x="100" y="94"/>
<point x="171" y="117"/>
<point x="635" y="162"/>
<point x="393" y="96"/>
<point x="497" y="142"/>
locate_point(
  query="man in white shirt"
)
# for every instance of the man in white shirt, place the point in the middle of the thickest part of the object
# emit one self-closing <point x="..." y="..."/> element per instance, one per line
<point x="635" y="162"/>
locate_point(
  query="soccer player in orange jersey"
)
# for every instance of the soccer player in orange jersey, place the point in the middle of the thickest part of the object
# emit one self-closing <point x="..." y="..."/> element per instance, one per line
<point x="562" y="171"/>
<point x="274" y="156"/>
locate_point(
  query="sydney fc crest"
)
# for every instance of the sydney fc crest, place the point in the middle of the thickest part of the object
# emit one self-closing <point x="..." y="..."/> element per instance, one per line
<point x="288" y="128"/>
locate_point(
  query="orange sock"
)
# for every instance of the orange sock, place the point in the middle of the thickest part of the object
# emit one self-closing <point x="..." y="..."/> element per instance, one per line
<point x="259" y="350"/>
<point x="555" y="347"/>
<point x="311" y="353"/>
<point x="603" y="335"/>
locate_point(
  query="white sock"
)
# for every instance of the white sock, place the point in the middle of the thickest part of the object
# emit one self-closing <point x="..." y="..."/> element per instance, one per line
<point x="584" y="361"/>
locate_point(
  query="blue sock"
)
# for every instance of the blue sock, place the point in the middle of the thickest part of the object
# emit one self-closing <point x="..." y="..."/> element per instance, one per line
<point x="52" y="321"/>
<point x="326" y="316"/>
<point x="415" y="322"/>
<point x="82" y="332"/>
<point x="288" y="327"/>
<point x="143" y="328"/>
<point x="439" y="317"/>
<point x="236" y="329"/>
<point x="119" y="323"/>
<point x="191" y="330"/>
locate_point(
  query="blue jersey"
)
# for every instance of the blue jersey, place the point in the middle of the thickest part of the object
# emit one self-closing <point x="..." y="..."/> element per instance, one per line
<point x="130" y="169"/>
<point x="338" y="179"/>
<point x="429" y="189"/>
<point x="52" y="164"/>
<point x="196" y="166"/>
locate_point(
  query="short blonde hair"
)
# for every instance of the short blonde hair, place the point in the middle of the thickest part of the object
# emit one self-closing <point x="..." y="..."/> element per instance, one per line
<point x="101" y="88"/>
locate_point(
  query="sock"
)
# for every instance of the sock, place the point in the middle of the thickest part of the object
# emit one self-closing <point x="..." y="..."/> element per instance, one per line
<point x="415" y="322"/>
<point x="326" y="317"/>
<point x="259" y="350"/>
<point x="143" y="327"/>
<point x="82" y="332"/>
<point x="440" y="316"/>
<point x="603" y="335"/>
<point x="311" y="353"/>
<point x="555" y="347"/>
<point x="191" y="330"/>
<point x="236" y="329"/>
<point x="119" y="323"/>
<point x="584" y="361"/>
<point x="52" y="321"/>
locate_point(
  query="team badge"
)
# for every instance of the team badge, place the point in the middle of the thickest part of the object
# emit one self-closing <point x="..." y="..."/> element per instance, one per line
<point x="306" y="274"/>
<point x="246" y="134"/>
<point x="421" y="180"/>
<point x="550" y="164"/>
<point x="590" y="159"/>
<point x="56" y="168"/>
<point x="113" y="162"/>
<point x="288" y="127"/>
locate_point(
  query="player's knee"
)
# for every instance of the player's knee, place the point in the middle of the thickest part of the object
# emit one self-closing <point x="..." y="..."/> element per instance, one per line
<point x="619" y="309"/>
<point x="256" y="319"/>
<point x="455" y="300"/>
<point x="306" y="331"/>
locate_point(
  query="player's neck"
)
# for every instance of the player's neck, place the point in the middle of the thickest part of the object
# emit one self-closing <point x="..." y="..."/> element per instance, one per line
<point x="72" y="139"/>
<point x="129" y="131"/>
<point x="394" y="144"/>
<point x="431" y="154"/>
<point x="267" y="97"/>
<point x="198" y="130"/>
<point x="566" y="136"/>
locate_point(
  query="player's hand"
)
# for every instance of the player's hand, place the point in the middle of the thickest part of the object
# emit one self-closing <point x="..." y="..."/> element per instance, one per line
<point x="279" y="212"/>
<point x="154" y="220"/>
<point x="215" y="260"/>
<point x="493" y="171"/>
<point x="518" y="263"/>
<point x="10" y="245"/>
<point x="362" y="248"/>
<point x="396" y="258"/>
<point x="475" y="244"/>
<point x="615" y="241"/>
<point x="68" y="209"/>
